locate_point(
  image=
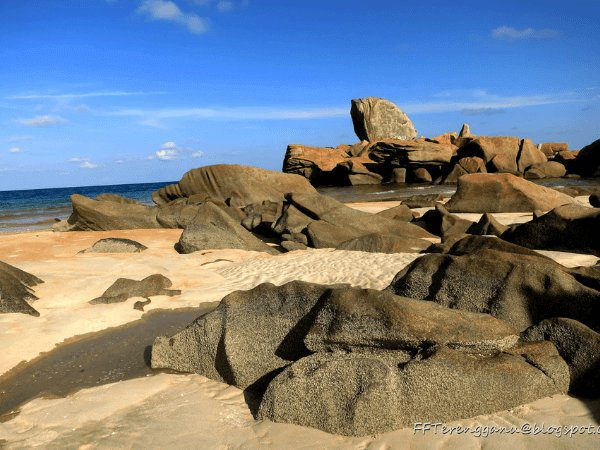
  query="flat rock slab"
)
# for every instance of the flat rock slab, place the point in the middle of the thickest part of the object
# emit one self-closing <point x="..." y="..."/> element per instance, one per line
<point x="124" y="288"/>
<point x="502" y="192"/>
<point x="115" y="245"/>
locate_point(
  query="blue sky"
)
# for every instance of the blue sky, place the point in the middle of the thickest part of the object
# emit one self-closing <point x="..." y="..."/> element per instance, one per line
<point x="99" y="92"/>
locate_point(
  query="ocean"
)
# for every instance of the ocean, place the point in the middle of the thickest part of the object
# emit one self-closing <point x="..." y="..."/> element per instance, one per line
<point x="37" y="209"/>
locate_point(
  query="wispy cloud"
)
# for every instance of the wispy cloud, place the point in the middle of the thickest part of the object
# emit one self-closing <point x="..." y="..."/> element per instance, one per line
<point x="89" y="94"/>
<point x="43" y="121"/>
<point x="89" y="165"/>
<point x="16" y="150"/>
<point x="484" y="111"/>
<point x="224" y="6"/>
<point x="152" y="117"/>
<point x="80" y="108"/>
<point x="78" y="159"/>
<point x="511" y="34"/>
<point x="22" y="138"/>
<point x="161" y="10"/>
<point x="198" y="154"/>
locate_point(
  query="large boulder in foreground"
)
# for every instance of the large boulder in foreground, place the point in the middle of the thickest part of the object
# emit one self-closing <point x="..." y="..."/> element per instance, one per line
<point x="221" y="180"/>
<point x="15" y="290"/>
<point x="360" y="361"/>
<point x="503" y="192"/>
<point x="375" y="118"/>
<point x="569" y="228"/>
<point x="517" y="288"/>
<point x="105" y="215"/>
<point x="354" y="394"/>
<point x="212" y="228"/>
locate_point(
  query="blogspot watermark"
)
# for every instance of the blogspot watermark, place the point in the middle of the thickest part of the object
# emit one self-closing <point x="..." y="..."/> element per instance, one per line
<point x="488" y="430"/>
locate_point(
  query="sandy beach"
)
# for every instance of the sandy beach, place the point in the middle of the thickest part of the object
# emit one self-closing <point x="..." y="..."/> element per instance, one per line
<point x="183" y="411"/>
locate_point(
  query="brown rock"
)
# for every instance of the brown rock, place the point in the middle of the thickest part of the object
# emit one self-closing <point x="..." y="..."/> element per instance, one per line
<point x="453" y="176"/>
<point x="549" y="169"/>
<point x="550" y="148"/>
<point x="472" y="164"/>
<point x="446" y="138"/>
<point x="503" y="163"/>
<point x="124" y="288"/>
<point x="400" y="212"/>
<point x="528" y="155"/>
<point x="402" y="153"/>
<point x="487" y="225"/>
<point x="465" y="132"/>
<point x="117" y="199"/>
<point x="493" y="193"/>
<point x="375" y="118"/>
<point x="219" y="181"/>
<point x="421" y="175"/>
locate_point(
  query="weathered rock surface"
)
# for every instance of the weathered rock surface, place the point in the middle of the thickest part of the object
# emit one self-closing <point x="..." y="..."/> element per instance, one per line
<point x="517" y="288"/>
<point x="578" y="345"/>
<point x="358" y="395"/>
<point x="117" y="199"/>
<point x="15" y="290"/>
<point x="384" y="243"/>
<point x="124" y="288"/>
<point x="422" y="200"/>
<point x="177" y="213"/>
<point x="550" y="148"/>
<point x="312" y="162"/>
<point x="406" y="152"/>
<point x="375" y="118"/>
<point x="357" y="173"/>
<point x="212" y="228"/>
<point x="495" y="193"/>
<point x="219" y="181"/>
<point x="94" y="215"/>
<point x="568" y="228"/>
<point x="115" y="245"/>
<point x="381" y="360"/>
<point x="400" y="212"/>
<point x="487" y="148"/>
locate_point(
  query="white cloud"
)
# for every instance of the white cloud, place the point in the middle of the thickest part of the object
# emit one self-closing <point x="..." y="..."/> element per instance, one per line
<point x="16" y="150"/>
<point x="224" y="6"/>
<point x="23" y="138"/>
<point x="78" y="159"/>
<point x="166" y="10"/>
<point x="42" y="121"/>
<point x="166" y="155"/>
<point x="149" y="157"/>
<point x="80" y="108"/>
<point x="511" y="34"/>
<point x="88" y="165"/>
<point x="197" y="154"/>
<point x="119" y="161"/>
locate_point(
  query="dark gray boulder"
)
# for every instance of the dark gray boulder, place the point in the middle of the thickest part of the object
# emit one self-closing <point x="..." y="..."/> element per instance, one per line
<point x="291" y="221"/>
<point x="517" y="288"/>
<point x="213" y="228"/>
<point x="568" y="228"/>
<point x="384" y="243"/>
<point x="363" y="394"/>
<point x="291" y="246"/>
<point x="595" y="200"/>
<point x="177" y="214"/>
<point x="578" y="345"/>
<point x="124" y="288"/>
<point x="115" y="245"/>
<point x="15" y="290"/>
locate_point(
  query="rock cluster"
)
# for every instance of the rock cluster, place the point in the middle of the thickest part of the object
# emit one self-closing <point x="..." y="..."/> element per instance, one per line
<point x="389" y="152"/>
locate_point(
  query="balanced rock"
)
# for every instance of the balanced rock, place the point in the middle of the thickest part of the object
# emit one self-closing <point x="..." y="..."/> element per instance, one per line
<point x="212" y="228"/>
<point x="497" y="193"/>
<point x="115" y="245"/>
<point x="520" y="289"/>
<point x="529" y="154"/>
<point x="15" y="290"/>
<point x="578" y="345"/>
<point x="124" y="288"/>
<point x="465" y="132"/>
<point x="375" y="118"/>
<point x="219" y="181"/>
<point x="568" y="228"/>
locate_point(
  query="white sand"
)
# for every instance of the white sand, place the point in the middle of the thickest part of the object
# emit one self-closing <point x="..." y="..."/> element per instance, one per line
<point x="191" y="411"/>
